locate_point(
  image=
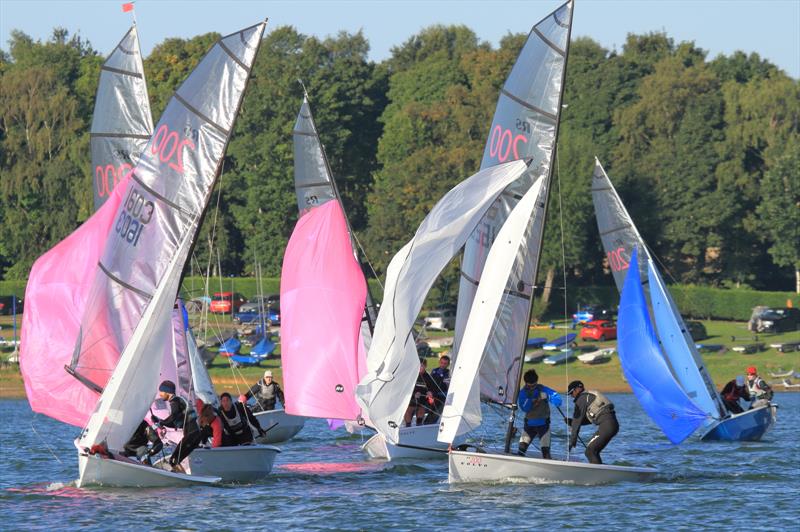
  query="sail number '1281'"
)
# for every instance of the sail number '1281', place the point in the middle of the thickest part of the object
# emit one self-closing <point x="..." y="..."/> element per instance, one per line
<point x="136" y="213"/>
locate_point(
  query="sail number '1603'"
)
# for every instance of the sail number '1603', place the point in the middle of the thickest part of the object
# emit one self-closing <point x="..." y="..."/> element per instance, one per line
<point x="136" y="213"/>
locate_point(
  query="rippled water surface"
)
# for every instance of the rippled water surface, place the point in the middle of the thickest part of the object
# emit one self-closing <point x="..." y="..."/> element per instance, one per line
<point x="322" y="481"/>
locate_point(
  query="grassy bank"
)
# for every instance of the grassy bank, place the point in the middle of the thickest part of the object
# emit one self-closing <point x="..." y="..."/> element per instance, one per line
<point x="723" y="365"/>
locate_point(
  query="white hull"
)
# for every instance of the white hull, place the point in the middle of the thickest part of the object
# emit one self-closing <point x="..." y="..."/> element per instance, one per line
<point x="286" y="428"/>
<point x="596" y="356"/>
<point x="98" y="471"/>
<point x="415" y="442"/>
<point x="243" y="463"/>
<point x="484" y="467"/>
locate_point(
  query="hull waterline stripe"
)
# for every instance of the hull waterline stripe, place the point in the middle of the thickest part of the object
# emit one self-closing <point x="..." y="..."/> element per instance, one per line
<point x="191" y="108"/>
<point x="123" y="283"/>
<point x="120" y="71"/>
<point x="523" y="103"/>
<point x="549" y="43"/>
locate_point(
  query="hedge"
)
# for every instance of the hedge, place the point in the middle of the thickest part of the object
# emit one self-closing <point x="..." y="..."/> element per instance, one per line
<point x="700" y="302"/>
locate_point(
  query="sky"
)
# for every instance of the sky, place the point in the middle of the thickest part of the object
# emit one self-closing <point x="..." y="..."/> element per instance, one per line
<point x="770" y="28"/>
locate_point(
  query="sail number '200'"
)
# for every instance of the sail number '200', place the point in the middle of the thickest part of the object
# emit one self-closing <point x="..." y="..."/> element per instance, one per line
<point x="503" y="143"/>
<point x="169" y="147"/>
<point x="616" y="260"/>
<point x="136" y="213"/>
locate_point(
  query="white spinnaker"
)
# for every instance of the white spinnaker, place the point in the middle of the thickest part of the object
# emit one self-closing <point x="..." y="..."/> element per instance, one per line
<point x="462" y="410"/>
<point x="121" y="123"/>
<point x="392" y="360"/>
<point x="524" y="126"/>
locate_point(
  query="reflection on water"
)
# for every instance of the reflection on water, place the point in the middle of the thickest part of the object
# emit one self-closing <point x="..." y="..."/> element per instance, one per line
<point x="322" y="480"/>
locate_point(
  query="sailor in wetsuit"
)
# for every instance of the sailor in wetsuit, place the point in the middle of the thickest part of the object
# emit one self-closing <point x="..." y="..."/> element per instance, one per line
<point x="441" y="381"/>
<point x="238" y="422"/>
<point x="732" y="392"/>
<point x="138" y="444"/>
<point x="592" y="407"/>
<point x="760" y="392"/>
<point x="534" y="399"/>
<point x="422" y="398"/>
<point x="266" y="391"/>
<point x="181" y="416"/>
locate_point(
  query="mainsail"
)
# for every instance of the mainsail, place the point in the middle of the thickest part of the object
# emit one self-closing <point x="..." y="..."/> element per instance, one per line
<point x="121" y="123"/>
<point x="392" y="360"/>
<point x="525" y="126"/>
<point x="323" y="291"/>
<point x="644" y="366"/>
<point x="620" y="238"/>
<point x="127" y="321"/>
<point x="462" y="411"/>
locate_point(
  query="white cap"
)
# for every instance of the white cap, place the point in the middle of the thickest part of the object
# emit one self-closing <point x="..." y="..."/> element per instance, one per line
<point x="268" y="373"/>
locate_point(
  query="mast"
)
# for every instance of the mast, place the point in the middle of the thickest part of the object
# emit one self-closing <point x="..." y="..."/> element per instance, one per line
<point x="370" y="306"/>
<point x="515" y="382"/>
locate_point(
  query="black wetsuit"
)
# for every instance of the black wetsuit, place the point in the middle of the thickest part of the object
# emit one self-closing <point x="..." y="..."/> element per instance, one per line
<point x="182" y="416"/>
<point x="137" y="445"/>
<point x="441" y="382"/>
<point x="731" y="394"/>
<point x="607" y="427"/>
<point x="238" y="433"/>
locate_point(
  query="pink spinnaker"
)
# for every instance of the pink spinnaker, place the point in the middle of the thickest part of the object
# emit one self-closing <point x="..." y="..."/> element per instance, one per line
<point x="55" y="301"/>
<point x="323" y="293"/>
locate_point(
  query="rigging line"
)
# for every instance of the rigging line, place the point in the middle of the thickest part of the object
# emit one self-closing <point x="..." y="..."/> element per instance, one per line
<point x="366" y="257"/>
<point x="563" y="272"/>
<point x="49" y="448"/>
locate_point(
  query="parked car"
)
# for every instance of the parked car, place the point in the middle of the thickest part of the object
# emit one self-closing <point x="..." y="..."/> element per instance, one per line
<point x="591" y="313"/>
<point x="600" y="330"/>
<point x="226" y="302"/>
<point x="774" y="320"/>
<point x="250" y="316"/>
<point x="441" y="319"/>
<point x="697" y="330"/>
<point x="7" y="305"/>
<point x="259" y="302"/>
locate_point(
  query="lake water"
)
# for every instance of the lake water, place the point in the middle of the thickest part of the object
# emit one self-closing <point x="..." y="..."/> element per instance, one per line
<point x="322" y="481"/>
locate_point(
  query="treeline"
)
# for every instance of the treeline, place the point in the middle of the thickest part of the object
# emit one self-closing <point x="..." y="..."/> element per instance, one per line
<point x="705" y="153"/>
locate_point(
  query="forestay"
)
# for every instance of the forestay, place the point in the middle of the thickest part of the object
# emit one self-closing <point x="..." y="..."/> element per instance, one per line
<point x="392" y="360"/>
<point x="645" y="369"/>
<point x="138" y="277"/>
<point x="524" y="126"/>
<point x="121" y="122"/>
<point x="462" y="410"/>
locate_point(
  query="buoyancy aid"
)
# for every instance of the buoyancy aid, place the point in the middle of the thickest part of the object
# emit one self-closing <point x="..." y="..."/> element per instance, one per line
<point x="236" y="424"/>
<point x="600" y="405"/>
<point x="540" y="408"/>
<point x="758" y="390"/>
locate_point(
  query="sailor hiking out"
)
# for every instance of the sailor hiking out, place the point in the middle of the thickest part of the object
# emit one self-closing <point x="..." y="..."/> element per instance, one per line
<point x="534" y="399"/>
<point x="181" y="416"/>
<point x="592" y="407"/>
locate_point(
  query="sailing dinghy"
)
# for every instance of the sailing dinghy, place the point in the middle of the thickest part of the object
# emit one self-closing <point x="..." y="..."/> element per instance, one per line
<point x="133" y="251"/>
<point x="620" y="238"/>
<point x="499" y="270"/>
<point x="392" y="360"/>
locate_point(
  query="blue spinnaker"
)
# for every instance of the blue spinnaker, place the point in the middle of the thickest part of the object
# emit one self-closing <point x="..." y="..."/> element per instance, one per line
<point x="645" y="368"/>
<point x="677" y="345"/>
